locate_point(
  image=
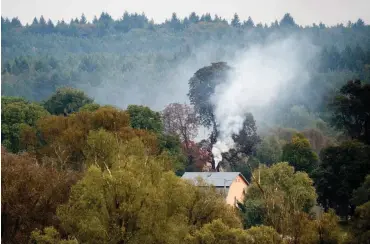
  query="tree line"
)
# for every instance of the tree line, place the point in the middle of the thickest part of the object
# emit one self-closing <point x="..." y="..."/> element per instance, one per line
<point x="105" y="24"/>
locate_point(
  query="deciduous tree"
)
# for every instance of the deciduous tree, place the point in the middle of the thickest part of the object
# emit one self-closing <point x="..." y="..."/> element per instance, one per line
<point x="180" y="120"/>
<point x="280" y="195"/>
<point x="342" y="169"/>
<point x="351" y="110"/>
<point x="30" y="195"/>
<point x="17" y="113"/>
<point x="117" y="205"/>
<point x="269" y="151"/>
<point x="300" y="154"/>
<point x="201" y="88"/>
<point x="66" y="100"/>
<point x="247" y="139"/>
<point x="142" y="117"/>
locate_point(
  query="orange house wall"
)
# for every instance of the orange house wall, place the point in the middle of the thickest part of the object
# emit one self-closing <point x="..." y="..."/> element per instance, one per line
<point x="236" y="190"/>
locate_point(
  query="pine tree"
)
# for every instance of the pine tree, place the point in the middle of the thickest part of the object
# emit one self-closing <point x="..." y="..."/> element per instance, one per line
<point x="95" y="20"/>
<point x="249" y="23"/>
<point x="16" y="23"/>
<point x="35" y="22"/>
<point x="42" y="21"/>
<point x="194" y="18"/>
<point x="287" y="20"/>
<point x="235" y="22"/>
<point x="83" y="19"/>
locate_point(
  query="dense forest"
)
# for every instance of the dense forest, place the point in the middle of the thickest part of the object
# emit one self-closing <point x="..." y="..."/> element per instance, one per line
<point x="100" y="119"/>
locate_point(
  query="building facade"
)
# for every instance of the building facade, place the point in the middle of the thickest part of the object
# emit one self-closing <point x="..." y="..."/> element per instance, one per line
<point x="232" y="184"/>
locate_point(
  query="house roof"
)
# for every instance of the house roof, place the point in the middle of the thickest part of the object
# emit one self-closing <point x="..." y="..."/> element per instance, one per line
<point x="218" y="179"/>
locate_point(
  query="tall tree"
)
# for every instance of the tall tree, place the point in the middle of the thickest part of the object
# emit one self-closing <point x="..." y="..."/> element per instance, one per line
<point x="42" y="21"/>
<point x="361" y="195"/>
<point x="342" y="169"/>
<point x="280" y="196"/>
<point x="83" y="19"/>
<point x="269" y="151"/>
<point x="193" y="18"/>
<point x="287" y="21"/>
<point x="249" y="23"/>
<point x="16" y="22"/>
<point x="201" y="88"/>
<point x="247" y="139"/>
<point x="299" y="154"/>
<point x="35" y="22"/>
<point x="175" y="23"/>
<point x="181" y="120"/>
<point x="351" y="110"/>
<point x="235" y="22"/>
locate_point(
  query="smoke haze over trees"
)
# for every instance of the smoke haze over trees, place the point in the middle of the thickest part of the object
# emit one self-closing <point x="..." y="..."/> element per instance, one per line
<point x="101" y="117"/>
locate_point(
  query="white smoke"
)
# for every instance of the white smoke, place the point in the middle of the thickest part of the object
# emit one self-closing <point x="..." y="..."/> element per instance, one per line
<point x="262" y="73"/>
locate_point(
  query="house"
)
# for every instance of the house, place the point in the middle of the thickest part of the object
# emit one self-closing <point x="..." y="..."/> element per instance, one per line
<point x="232" y="184"/>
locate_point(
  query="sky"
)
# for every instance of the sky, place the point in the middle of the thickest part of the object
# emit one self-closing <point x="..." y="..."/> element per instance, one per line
<point x="305" y="12"/>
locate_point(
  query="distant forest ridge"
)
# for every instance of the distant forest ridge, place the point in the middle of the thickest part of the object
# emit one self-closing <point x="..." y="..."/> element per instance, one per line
<point x="111" y="59"/>
<point x="176" y="22"/>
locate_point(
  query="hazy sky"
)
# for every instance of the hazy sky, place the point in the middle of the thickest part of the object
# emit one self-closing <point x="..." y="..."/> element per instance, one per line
<point x="304" y="11"/>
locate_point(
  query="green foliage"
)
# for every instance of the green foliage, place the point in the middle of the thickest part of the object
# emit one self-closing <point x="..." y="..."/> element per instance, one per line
<point x="361" y="224"/>
<point x="252" y="212"/>
<point x="90" y="107"/>
<point x="278" y="194"/>
<point x="49" y="236"/>
<point x="16" y="113"/>
<point x="287" y="21"/>
<point x="142" y="117"/>
<point x="263" y="235"/>
<point x="235" y="22"/>
<point x="172" y="145"/>
<point x="247" y="139"/>
<point x="101" y="148"/>
<point x="66" y="100"/>
<point x="342" y="169"/>
<point x="327" y="228"/>
<point x="300" y="154"/>
<point x="201" y="88"/>
<point x="117" y="205"/>
<point x="217" y="232"/>
<point x="89" y="55"/>
<point x="361" y="195"/>
<point x="269" y="151"/>
<point x="351" y="109"/>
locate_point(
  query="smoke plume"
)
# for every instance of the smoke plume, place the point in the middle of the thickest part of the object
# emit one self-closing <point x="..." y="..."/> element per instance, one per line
<point x="262" y="75"/>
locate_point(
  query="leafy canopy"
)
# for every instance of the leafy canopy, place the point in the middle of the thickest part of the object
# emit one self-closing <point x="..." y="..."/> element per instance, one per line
<point x="66" y="100"/>
<point x="117" y="205"/>
<point x="16" y="114"/>
<point x="299" y="154"/>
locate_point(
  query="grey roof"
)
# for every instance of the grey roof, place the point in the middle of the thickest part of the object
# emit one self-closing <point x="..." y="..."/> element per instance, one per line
<point x="217" y="179"/>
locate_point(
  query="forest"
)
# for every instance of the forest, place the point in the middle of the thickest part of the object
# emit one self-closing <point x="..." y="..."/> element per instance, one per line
<point x="99" y="120"/>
